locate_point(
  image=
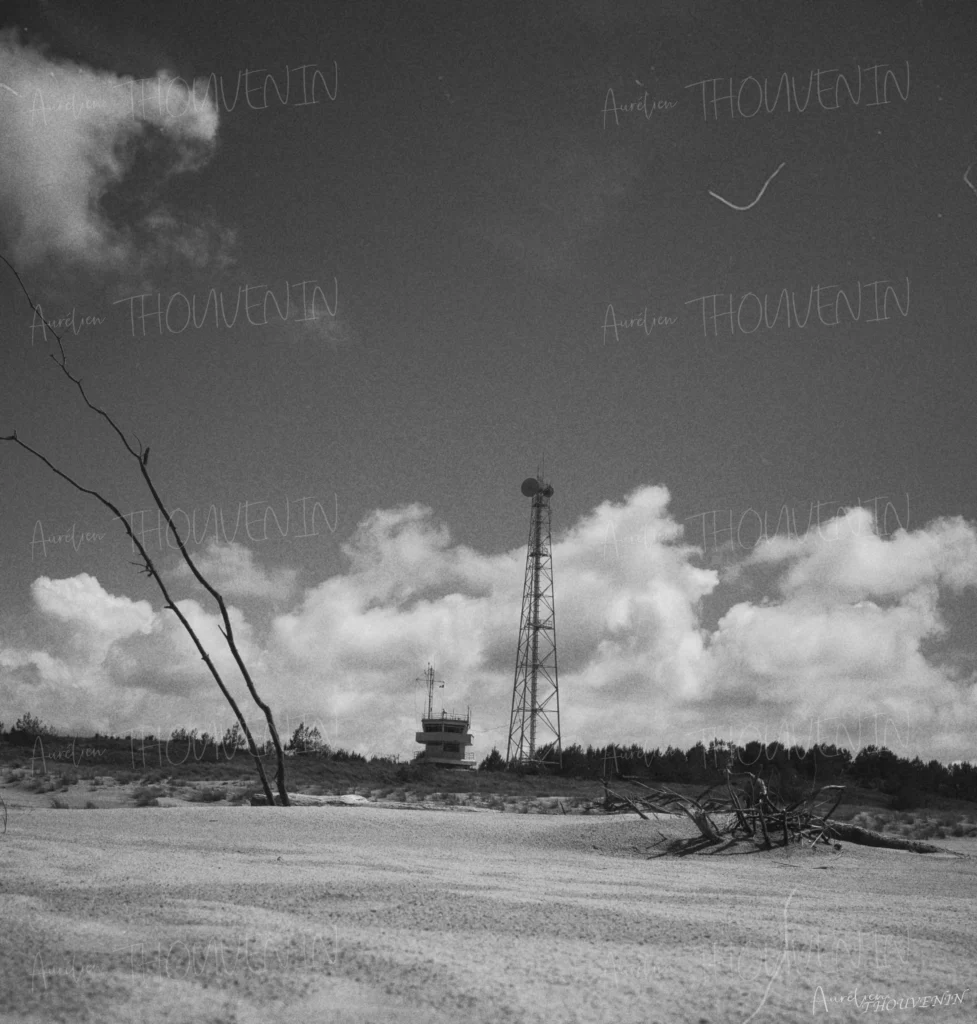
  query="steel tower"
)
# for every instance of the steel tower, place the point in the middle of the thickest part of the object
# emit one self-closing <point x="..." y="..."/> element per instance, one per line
<point x="534" y="725"/>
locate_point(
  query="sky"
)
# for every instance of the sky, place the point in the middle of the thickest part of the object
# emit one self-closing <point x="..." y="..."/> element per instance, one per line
<point x="354" y="271"/>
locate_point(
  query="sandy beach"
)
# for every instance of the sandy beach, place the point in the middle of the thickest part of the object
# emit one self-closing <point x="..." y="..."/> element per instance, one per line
<point x="362" y="914"/>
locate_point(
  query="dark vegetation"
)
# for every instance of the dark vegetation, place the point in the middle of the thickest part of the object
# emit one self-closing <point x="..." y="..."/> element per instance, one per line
<point x="874" y="778"/>
<point x="904" y="784"/>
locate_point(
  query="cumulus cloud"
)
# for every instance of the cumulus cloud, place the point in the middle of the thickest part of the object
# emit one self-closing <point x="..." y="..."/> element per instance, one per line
<point x="100" y="659"/>
<point x="232" y="569"/>
<point x="848" y="560"/>
<point x="841" y="641"/>
<point x="70" y="135"/>
<point x="81" y="600"/>
<point x="844" y="638"/>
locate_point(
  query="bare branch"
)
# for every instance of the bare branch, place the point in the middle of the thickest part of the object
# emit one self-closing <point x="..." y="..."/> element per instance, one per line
<point x="228" y="632"/>
<point x="149" y="568"/>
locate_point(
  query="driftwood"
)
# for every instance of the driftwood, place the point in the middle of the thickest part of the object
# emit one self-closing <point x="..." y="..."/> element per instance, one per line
<point x="749" y="811"/>
<point x="665" y="801"/>
<point x="609" y="796"/>
<point x="866" y="837"/>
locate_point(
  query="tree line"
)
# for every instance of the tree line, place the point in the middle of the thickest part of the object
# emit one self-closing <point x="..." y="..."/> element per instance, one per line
<point x="795" y="768"/>
<point x="28" y="730"/>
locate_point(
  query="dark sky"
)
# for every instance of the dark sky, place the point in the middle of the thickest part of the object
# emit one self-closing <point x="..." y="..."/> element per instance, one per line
<point x="521" y="221"/>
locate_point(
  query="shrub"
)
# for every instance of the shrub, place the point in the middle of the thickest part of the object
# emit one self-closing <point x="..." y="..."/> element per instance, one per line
<point x="907" y="798"/>
<point x="495" y="762"/>
<point x="28" y="727"/>
<point x="147" y="797"/>
<point x="306" y="739"/>
<point x="234" y="740"/>
<point x="206" y="796"/>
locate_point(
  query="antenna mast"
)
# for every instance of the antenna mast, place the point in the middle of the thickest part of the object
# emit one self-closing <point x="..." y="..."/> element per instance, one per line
<point x="535" y="688"/>
<point x="430" y="680"/>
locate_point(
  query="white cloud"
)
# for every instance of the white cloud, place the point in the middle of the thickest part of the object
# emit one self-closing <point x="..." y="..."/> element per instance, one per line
<point x="840" y="644"/>
<point x="70" y="134"/>
<point x="845" y="559"/>
<point x="82" y="601"/>
<point x="231" y="568"/>
<point x="102" y="659"/>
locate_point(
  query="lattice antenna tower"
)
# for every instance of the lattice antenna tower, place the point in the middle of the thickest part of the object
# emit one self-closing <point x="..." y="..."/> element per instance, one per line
<point x="534" y="724"/>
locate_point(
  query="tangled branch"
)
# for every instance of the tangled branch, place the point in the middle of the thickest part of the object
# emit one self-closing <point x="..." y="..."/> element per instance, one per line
<point x="749" y="812"/>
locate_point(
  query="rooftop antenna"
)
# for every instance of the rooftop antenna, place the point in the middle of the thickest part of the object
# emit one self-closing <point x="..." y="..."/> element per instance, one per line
<point x="430" y="680"/>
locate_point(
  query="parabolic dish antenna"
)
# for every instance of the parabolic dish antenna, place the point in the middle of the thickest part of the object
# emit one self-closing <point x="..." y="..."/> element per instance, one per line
<point x="530" y="487"/>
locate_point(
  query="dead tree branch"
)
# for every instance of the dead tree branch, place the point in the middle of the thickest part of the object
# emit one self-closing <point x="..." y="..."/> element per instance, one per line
<point x="141" y="456"/>
<point x="752" y="813"/>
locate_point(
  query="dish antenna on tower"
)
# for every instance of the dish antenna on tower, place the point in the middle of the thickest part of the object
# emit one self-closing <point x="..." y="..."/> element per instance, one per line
<point x="531" y="487"/>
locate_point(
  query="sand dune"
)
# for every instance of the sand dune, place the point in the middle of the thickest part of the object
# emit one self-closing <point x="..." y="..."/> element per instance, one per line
<point x="254" y="914"/>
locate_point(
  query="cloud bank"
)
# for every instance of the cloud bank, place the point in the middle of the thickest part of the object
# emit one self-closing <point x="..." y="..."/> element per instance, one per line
<point x="840" y="642"/>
